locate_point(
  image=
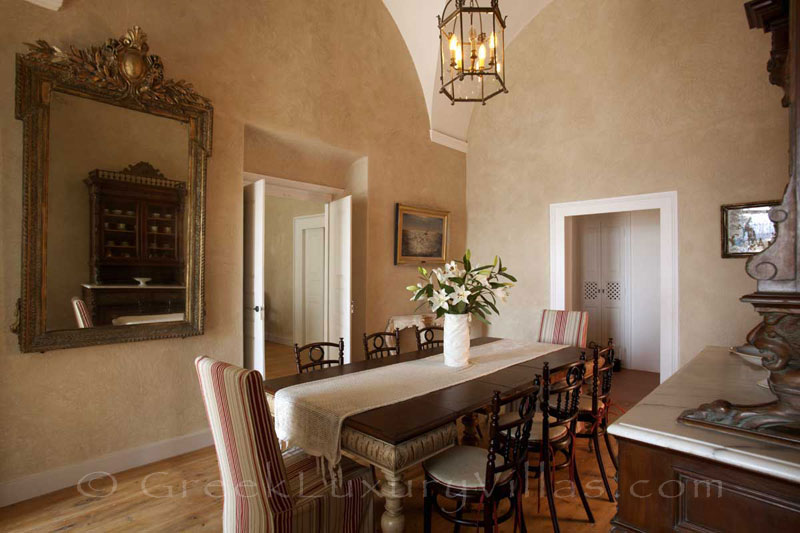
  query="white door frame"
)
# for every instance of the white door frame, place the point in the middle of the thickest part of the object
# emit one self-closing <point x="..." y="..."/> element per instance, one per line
<point x="300" y="190"/>
<point x="667" y="205"/>
<point x="301" y="223"/>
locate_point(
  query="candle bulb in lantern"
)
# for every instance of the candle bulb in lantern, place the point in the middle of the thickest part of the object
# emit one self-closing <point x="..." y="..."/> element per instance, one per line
<point x="453" y="48"/>
<point x="482" y="56"/>
<point x="492" y="46"/>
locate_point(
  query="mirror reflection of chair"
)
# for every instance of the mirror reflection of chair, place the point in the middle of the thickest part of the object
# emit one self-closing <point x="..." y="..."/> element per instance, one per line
<point x="472" y="475"/>
<point x="315" y="354"/>
<point x="430" y="337"/>
<point x="382" y="344"/>
<point x="82" y="315"/>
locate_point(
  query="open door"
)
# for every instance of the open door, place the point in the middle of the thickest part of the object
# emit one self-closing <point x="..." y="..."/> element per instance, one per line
<point x="340" y="305"/>
<point x="254" y="276"/>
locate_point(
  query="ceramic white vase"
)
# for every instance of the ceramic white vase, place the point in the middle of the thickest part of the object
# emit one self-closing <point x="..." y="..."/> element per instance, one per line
<point x="456" y="340"/>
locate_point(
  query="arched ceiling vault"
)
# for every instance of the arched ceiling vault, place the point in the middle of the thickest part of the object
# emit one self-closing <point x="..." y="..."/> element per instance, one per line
<point x="416" y="20"/>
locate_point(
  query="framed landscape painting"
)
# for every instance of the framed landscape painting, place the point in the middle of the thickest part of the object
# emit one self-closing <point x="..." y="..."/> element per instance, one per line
<point x="746" y="228"/>
<point x="420" y="235"/>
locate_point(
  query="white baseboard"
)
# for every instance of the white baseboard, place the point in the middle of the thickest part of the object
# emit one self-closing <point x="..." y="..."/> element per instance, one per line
<point x="288" y="341"/>
<point x="40" y="483"/>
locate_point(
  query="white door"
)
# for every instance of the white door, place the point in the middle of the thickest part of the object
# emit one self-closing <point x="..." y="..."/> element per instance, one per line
<point x="253" y="296"/>
<point x="604" y="250"/>
<point x="340" y="305"/>
<point x="309" y="285"/>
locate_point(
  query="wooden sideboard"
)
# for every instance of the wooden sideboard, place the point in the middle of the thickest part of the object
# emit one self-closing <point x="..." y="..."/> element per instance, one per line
<point x="660" y="489"/>
<point x="675" y="477"/>
<point x="136" y="226"/>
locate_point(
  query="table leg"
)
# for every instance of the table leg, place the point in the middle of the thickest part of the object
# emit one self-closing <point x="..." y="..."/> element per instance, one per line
<point x="393" y="489"/>
<point x="470" y="437"/>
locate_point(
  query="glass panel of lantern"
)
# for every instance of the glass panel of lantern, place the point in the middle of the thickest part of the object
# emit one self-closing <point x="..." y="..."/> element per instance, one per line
<point x="472" y="50"/>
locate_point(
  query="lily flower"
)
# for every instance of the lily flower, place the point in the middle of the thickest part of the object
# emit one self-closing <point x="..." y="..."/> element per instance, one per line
<point x="501" y="293"/>
<point x="452" y="270"/>
<point x="460" y="295"/>
<point x="439" y="300"/>
<point x="483" y="279"/>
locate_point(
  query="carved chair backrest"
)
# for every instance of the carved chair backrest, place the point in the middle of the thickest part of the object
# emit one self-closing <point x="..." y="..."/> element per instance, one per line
<point x="509" y="439"/>
<point x="560" y="400"/>
<point x="317" y="359"/>
<point x="430" y="337"/>
<point x="379" y="345"/>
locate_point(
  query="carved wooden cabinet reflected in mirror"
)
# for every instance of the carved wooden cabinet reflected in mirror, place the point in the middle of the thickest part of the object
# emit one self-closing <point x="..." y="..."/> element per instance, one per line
<point x="114" y="196"/>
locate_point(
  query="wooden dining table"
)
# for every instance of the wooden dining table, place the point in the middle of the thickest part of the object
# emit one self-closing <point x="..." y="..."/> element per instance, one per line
<point x="396" y="437"/>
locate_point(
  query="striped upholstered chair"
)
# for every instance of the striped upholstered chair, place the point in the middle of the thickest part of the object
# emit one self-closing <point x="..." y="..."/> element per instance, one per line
<point x="564" y="327"/>
<point x="82" y="315"/>
<point x="265" y="490"/>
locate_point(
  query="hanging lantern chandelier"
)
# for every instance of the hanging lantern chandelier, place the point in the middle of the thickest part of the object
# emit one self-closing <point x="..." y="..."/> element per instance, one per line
<point x="472" y="45"/>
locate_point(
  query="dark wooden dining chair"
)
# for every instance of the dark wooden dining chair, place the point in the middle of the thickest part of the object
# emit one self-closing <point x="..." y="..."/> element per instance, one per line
<point x="593" y="408"/>
<point x="379" y="345"/>
<point x="430" y="337"/>
<point x="471" y="475"/>
<point x="552" y="437"/>
<point x="316" y="356"/>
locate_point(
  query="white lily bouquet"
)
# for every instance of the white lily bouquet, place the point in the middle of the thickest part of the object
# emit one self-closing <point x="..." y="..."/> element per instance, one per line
<point x="458" y="291"/>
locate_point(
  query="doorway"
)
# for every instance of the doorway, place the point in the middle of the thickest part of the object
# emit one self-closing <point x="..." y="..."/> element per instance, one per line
<point x="613" y="266"/>
<point x="561" y="287"/>
<point x="297" y="257"/>
<point x="308" y="288"/>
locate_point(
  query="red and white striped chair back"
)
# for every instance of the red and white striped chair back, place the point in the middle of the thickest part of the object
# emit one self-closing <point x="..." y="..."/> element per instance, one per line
<point x="564" y="327"/>
<point x="82" y="315"/>
<point x="254" y="484"/>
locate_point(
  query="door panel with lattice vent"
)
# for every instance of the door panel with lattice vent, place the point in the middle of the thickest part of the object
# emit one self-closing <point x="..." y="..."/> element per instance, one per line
<point x="602" y="248"/>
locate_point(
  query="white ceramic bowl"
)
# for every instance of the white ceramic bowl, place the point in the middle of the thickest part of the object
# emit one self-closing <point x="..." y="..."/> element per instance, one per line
<point x="142" y="281"/>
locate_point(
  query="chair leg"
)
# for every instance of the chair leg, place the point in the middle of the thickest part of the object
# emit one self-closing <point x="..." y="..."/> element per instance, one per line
<point x="427" y="511"/>
<point x="548" y="489"/>
<point x="579" y="486"/>
<point x="608" y="445"/>
<point x="459" y="516"/>
<point x="519" y="515"/>
<point x="600" y="464"/>
<point x="488" y="516"/>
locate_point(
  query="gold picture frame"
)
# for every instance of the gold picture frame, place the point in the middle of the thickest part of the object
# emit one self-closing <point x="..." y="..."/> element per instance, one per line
<point x="420" y="235"/>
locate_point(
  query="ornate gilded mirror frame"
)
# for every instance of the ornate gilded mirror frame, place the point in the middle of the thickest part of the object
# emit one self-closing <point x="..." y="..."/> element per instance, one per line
<point x="121" y="73"/>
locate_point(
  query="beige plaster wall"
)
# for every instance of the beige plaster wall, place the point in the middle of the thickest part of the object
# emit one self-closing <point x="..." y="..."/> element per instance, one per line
<point x="618" y="97"/>
<point x="278" y="263"/>
<point x="86" y="135"/>
<point x="336" y="72"/>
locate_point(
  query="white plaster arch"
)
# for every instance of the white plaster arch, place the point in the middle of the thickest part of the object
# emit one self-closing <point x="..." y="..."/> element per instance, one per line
<point x="416" y="20"/>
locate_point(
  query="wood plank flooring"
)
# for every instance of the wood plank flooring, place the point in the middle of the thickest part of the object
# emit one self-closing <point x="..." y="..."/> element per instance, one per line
<point x="183" y="493"/>
<point x="279" y="360"/>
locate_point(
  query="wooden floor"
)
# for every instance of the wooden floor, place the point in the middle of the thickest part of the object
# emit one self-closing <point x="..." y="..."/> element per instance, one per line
<point x="183" y="493"/>
<point x="279" y="360"/>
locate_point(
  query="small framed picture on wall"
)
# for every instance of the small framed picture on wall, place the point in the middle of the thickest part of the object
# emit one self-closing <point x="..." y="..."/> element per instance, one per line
<point x="747" y="228"/>
<point x="420" y="235"/>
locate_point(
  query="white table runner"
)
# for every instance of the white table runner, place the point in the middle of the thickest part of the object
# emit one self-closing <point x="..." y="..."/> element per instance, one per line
<point x="310" y="415"/>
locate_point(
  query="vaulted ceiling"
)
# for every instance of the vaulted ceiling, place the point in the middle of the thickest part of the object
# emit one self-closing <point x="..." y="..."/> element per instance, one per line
<point x="416" y="20"/>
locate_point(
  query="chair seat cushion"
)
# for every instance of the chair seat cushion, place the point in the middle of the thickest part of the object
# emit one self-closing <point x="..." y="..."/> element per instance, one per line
<point x="461" y="467"/>
<point x="554" y="432"/>
<point x="536" y="427"/>
<point x="318" y="503"/>
<point x="585" y="403"/>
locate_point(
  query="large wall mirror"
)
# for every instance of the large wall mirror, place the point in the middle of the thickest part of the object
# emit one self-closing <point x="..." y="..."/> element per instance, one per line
<point x="114" y="196"/>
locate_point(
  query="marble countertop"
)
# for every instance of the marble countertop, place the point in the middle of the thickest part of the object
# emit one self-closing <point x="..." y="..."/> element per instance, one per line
<point x="132" y="286"/>
<point x="714" y="374"/>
